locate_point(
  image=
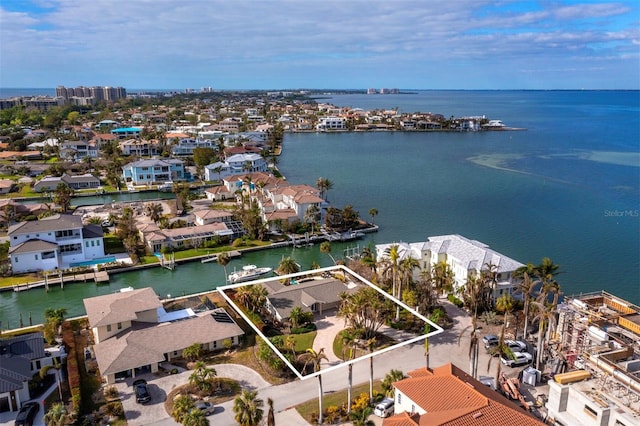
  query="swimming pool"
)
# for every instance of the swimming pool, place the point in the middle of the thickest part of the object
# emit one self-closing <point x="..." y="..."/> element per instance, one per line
<point x="94" y="261"/>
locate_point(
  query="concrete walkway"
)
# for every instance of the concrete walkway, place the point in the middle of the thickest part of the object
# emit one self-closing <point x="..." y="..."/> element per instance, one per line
<point x="328" y="327"/>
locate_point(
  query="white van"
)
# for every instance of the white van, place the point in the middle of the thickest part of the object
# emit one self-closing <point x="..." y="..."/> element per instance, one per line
<point x="384" y="408"/>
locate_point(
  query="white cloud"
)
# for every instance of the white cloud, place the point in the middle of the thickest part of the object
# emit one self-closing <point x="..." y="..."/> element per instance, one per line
<point x="195" y="42"/>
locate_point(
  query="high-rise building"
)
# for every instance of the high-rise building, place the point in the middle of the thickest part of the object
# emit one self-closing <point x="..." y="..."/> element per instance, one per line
<point x="95" y="93"/>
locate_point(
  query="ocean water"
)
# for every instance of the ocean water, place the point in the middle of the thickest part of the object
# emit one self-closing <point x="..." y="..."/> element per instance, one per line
<point x="567" y="187"/>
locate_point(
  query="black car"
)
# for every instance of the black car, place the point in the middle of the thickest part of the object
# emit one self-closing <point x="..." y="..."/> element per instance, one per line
<point x="142" y="393"/>
<point x="27" y="413"/>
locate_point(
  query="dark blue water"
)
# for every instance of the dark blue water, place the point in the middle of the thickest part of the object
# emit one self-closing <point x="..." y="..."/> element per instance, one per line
<point x="567" y="188"/>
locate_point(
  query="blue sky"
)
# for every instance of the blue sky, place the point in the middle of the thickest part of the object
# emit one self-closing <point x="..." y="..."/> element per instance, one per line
<point x="282" y="44"/>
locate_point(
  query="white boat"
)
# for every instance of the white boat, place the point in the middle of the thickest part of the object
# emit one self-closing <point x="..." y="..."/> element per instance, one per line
<point x="248" y="273"/>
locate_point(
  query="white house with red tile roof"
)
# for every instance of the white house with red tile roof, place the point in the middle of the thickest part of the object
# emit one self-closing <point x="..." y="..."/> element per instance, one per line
<point x="446" y="395"/>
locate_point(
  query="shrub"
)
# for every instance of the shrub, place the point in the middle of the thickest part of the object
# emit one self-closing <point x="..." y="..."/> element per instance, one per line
<point x="111" y="392"/>
<point x="453" y="299"/>
<point x="304" y="329"/>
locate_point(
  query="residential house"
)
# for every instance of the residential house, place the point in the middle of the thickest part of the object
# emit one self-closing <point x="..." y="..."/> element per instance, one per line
<point x="127" y="132"/>
<point x="235" y="165"/>
<point x="77" y="150"/>
<point x="207" y="216"/>
<point x="291" y="200"/>
<point x="464" y="257"/>
<point x="55" y="242"/>
<point x="153" y="171"/>
<point x="139" y="147"/>
<point x="186" y="146"/>
<point x="331" y="123"/>
<point x="157" y="239"/>
<point x="76" y="182"/>
<point x="134" y="334"/>
<point x="20" y="358"/>
<point x="446" y="395"/>
<point x="6" y="185"/>
<point x="315" y="294"/>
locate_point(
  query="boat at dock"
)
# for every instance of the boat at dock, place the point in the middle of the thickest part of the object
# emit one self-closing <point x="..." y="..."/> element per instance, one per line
<point x="248" y="273"/>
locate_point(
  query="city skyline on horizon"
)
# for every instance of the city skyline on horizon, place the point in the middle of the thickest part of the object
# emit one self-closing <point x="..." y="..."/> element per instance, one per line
<point x="289" y="45"/>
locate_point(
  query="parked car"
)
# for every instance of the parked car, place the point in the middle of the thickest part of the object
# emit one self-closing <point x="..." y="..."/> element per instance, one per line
<point x="206" y="407"/>
<point x="27" y="413"/>
<point x="142" y="393"/>
<point x="490" y="340"/>
<point x="516" y="345"/>
<point x="519" y="358"/>
<point x="384" y="408"/>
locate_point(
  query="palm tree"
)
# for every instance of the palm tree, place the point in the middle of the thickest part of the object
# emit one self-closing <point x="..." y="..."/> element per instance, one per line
<point x="154" y="211"/>
<point x="290" y="343"/>
<point x="57" y="366"/>
<point x="56" y="416"/>
<point x="393" y="255"/>
<point x="195" y="417"/>
<point x="546" y="317"/>
<point x="442" y="277"/>
<point x="325" y="247"/>
<point x="181" y="406"/>
<point x="248" y="408"/>
<point x="288" y="266"/>
<point x="388" y="381"/>
<point x="407" y="265"/>
<point x="472" y="293"/>
<point x="223" y="259"/>
<point x="311" y="357"/>
<point x="62" y="196"/>
<point x="349" y="341"/>
<point x="373" y="212"/>
<point x="361" y="417"/>
<point x="312" y="215"/>
<point x="271" y="418"/>
<point x="371" y="345"/>
<point x="504" y="304"/>
<point x="526" y="288"/>
<point x="201" y="375"/>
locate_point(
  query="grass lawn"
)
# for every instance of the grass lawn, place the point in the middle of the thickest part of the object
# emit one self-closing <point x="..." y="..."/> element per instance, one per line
<point x="336" y="399"/>
<point x="304" y="341"/>
<point x="19" y="280"/>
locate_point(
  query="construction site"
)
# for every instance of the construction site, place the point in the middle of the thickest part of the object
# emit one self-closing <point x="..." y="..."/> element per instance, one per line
<point x="598" y="348"/>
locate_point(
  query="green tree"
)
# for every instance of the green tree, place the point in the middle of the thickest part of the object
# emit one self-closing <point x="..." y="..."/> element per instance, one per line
<point x="271" y="418"/>
<point x="181" y="406"/>
<point x="223" y="260"/>
<point x="361" y="417"/>
<point x="202" y="375"/>
<point x="288" y="266"/>
<point x="153" y="210"/>
<point x="442" y="277"/>
<point x="325" y="247"/>
<point x="248" y="408"/>
<point x="204" y="156"/>
<point x="388" y="381"/>
<point x="62" y="196"/>
<point x="373" y="212"/>
<point x="53" y="318"/>
<point x="504" y="304"/>
<point x="195" y="417"/>
<point x="314" y="358"/>
<point x="56" y="416"/>
<point x="192" y="352"/>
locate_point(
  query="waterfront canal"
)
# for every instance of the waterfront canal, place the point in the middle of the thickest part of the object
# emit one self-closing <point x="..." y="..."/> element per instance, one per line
<point x="187" y="278"/>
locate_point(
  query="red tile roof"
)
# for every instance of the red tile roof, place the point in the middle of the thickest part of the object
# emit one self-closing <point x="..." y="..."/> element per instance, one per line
<point x="451" y="397"/>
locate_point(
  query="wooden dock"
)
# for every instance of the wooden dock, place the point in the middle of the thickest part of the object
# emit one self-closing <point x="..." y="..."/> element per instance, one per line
<point x="214" y="257"/>
<point x="99" y="277"/>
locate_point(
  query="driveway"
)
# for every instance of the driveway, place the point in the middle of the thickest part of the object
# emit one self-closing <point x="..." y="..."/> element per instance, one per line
<point x="159" y="387"/>
<point x="328" y="326"/>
